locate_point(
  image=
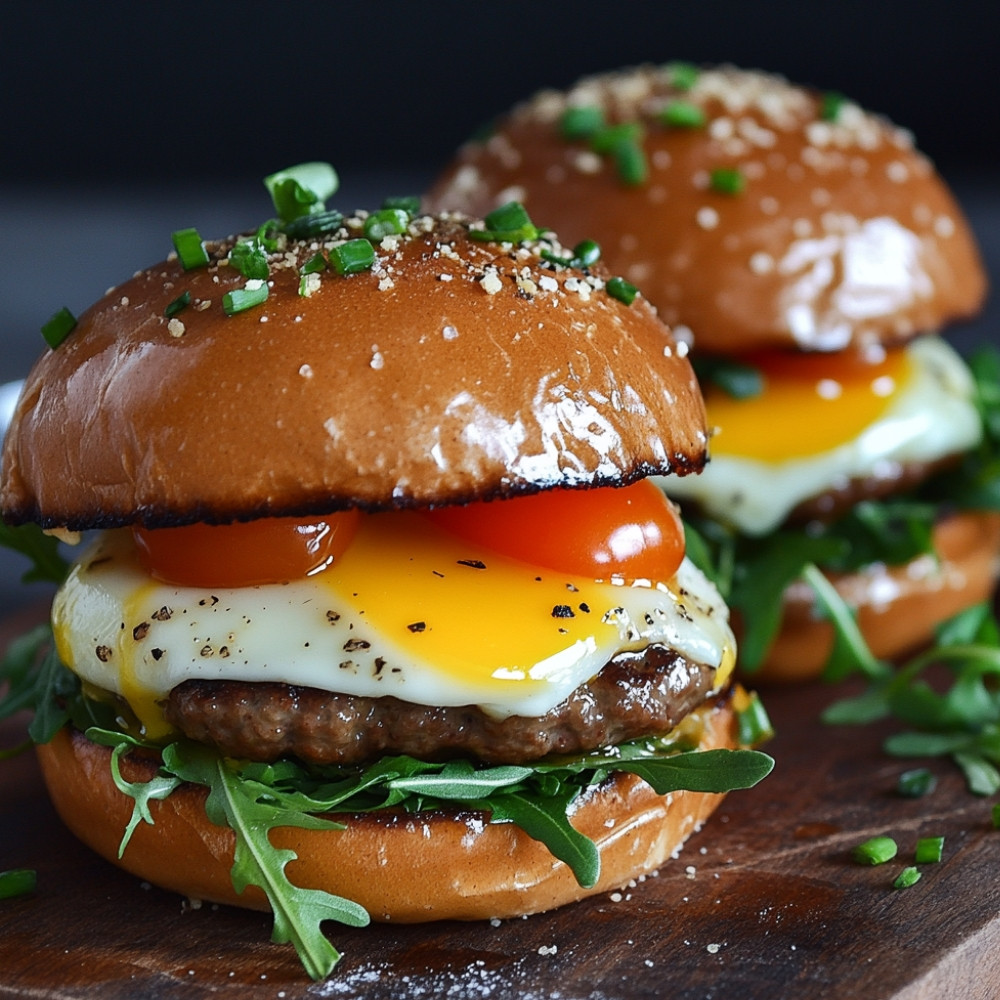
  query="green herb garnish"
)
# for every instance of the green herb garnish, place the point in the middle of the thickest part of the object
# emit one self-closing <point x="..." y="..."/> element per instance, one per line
<point x="58" y="327"/>
<point x="581" y="122"/>
<point x="409" y="203"/>
<point x="585" y="254"/>
<point x="254" y="293"/>
<point x="753" y="723"/>
<point x="509" y="223"/>
<point x="386" y="222"/>
<point x="317" y="224"/>
<point x="249" y="257"/>
<point x="727" y="180"/>
<point x="683" y="75"/>
<point x="178" y="305"/>
<point x="735" y="378"/>
<point x="683" y="114"/>
<point x="190" y="249"/>
<point x="302" y="190"/>
<point x="630" y="162"/>
<point x="830" y="105"/>
<point x="929" y="850"/>
<point x="17" y="882"/>
<point x="907" y="877"/>
<point x="916" y="783"/>
<point x="875" y="851"/>
<point x="624" y="291"/>
<point x="352" y="257"/>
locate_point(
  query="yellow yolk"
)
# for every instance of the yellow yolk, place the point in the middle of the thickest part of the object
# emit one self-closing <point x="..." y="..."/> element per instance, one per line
<point x="813" y="432"/>
<point x="809" y="404"/>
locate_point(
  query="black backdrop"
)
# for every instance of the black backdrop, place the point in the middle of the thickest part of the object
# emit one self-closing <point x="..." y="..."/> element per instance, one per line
<point x="114" y="91"/>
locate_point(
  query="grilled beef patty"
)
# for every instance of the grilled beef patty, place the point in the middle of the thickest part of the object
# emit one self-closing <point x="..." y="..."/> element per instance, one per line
<point x="637" y="694"/>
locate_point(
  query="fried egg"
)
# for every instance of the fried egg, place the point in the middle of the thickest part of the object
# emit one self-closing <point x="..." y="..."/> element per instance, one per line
<point x="408" y="610"/>
<point x="820" y="422"/>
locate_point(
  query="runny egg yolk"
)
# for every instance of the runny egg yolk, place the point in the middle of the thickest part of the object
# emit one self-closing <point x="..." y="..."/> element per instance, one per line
<point x="810" y="403"/>
<point x="627" y="534"/>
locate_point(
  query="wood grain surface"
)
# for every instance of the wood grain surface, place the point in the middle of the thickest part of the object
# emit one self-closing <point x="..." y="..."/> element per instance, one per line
<point x="763" y="903"/>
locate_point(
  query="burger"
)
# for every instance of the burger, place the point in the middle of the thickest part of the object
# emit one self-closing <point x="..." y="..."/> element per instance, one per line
<point x="379" y="614"/>
<point x="810" y="255"/>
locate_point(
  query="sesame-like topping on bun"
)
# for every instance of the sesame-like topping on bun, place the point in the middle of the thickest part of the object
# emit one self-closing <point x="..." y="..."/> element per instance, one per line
<point x="754" y="212"/>
<point x="443" y="368"/>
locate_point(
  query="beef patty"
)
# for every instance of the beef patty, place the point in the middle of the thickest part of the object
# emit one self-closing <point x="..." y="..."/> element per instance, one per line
<point x="636" y="694"/>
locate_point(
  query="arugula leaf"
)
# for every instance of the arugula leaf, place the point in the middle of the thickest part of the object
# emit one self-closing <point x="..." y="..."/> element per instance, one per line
<point x="735" y="378"/>
<point x="545" y="818"/>
<point x="48" y="566"/>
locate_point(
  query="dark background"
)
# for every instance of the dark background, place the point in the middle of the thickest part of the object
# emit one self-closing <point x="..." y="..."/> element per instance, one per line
<point x="120" y="123"/>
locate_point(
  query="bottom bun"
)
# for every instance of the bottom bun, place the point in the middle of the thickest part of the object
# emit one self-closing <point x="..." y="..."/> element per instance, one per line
<point x="898" y="607"/>
<point x="400" y="867"/>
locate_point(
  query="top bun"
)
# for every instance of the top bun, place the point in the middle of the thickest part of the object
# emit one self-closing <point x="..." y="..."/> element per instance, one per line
<point x="453" y="369"/>
<point x="834" y="232"/>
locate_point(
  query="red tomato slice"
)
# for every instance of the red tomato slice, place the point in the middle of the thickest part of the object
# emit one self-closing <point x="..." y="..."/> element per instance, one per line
<point x="632" y="532"/>
<point x="268" y="550"/>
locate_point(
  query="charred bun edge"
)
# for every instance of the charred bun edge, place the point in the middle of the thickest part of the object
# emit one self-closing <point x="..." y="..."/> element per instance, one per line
<point x="968" y="548"/>
<point x="406" y="868"/>
<point x="359" y="394"/>
<point x="154" y="517"/>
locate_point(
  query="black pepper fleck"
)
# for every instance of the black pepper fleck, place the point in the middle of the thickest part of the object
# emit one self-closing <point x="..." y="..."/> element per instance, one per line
<point x="140" y="631"/>
<point x="563" y="611"/>
<point x="417" y="626"/>
<point x="472" y="563"/>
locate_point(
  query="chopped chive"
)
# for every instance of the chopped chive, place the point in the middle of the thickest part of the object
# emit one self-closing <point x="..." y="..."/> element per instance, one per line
<point x="190" y="248"/>
<point x="754" y="725"/>
<point x="996" y="816"/>
<point x="510" y="223"/>
<point x="683" y="75"/>
<point x="875" y="851"/>
<point x="907" y="877"/>
<point x="302" y="190"/>
<point x="179" y="304"/>
<point x="254" y="293"/>
<point x="17" y="882"/>
<point x="830" y="105"/>
<point x="630" y="161"/>
<point x="683" y="114"/>
<point x="727" y="180"/>
<point x="317" y="224"/>
<point x="386" y="222"/>
<point x="624" y="291"/>
<point x="315" y="264"/>
<point x="352" y="257"/>
<point x="250" y="258"/>
<point x="929" y="850"/>
<point x="607" y="138"/>
<point x="916" y="783"/>
<point x="586" y="253"/>
<point x="409" y="203"/>
<point x="58" y="327"/>
<point x="581" y="123"/>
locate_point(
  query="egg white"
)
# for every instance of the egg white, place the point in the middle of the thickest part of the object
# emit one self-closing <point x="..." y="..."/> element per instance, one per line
<point x="404" y="612"/>
<point x="933" y="416"/>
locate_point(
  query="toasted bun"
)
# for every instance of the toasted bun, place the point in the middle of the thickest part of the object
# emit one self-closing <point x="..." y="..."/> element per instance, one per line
<point x="455" y="369"/>
<point x="842" y="235"/>
<point x="402" y="868"/>
<point x="898" y="607"/>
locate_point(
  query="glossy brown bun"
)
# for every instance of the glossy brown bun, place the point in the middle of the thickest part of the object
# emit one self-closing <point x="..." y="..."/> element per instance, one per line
<point x="453" y="370"/>
<point x="402" y="868"/>
<point x="842" y="235"/>
<point x="898" y="607"/>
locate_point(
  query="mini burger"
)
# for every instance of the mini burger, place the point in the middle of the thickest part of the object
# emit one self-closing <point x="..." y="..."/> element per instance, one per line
<point x="810" y="254"/>
<point x="378" y="587"/>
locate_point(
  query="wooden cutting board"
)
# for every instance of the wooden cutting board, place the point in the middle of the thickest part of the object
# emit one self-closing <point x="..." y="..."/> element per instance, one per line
<point x="763" y="903"/>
